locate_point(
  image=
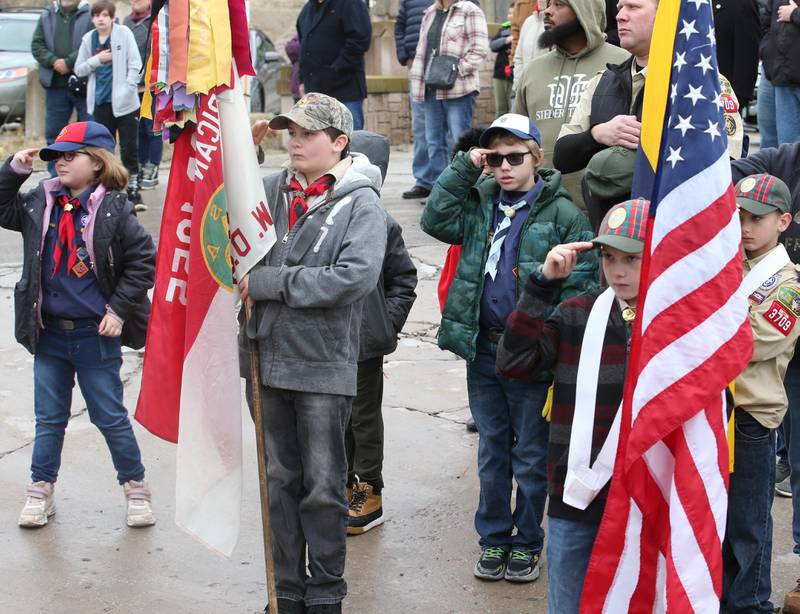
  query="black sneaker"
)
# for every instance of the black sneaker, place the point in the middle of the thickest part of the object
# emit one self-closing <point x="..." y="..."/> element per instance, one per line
<point x="470" y="426"/>
<point x="416" y="192"/>
<point x="492" y="564"/>
<point x="782" y="471"/>
<point x="523" y="565"/>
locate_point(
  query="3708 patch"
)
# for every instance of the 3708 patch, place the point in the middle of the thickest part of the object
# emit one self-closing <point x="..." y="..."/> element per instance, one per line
<point x="780" y="318"/>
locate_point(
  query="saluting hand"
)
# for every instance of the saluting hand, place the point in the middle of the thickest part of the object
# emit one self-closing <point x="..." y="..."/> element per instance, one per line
<point x="561" y="260"/>
<point x="25" y="156"/>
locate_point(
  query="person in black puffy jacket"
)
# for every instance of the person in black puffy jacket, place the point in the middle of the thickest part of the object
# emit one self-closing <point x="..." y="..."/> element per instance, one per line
<point x="87" y="267"/>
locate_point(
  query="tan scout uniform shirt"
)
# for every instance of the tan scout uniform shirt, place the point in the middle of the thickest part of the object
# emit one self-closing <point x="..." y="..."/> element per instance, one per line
<point x="774" y="310"/>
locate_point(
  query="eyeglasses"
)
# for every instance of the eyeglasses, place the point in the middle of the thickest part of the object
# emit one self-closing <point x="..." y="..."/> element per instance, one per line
<point x="516" y="158"/>
<point x="69" y="156"/>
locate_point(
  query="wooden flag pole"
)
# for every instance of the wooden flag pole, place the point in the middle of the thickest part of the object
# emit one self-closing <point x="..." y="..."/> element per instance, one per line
<point x="261" y="449"/>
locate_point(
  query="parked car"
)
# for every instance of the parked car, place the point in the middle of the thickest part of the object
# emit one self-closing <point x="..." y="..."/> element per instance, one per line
<point x="16" y="60"/>
<point x="267" y="62"/>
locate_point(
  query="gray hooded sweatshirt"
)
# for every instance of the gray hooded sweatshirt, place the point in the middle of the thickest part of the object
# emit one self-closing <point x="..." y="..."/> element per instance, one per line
<point x="310" y="290"/>
<point x="551" y="85"/>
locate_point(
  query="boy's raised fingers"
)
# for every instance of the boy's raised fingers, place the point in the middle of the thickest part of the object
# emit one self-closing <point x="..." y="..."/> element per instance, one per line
<point x="579" y="246"/>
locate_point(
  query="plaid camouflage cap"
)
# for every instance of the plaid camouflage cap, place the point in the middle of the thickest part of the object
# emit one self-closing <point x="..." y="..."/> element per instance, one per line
<point x="762" y="194"/>
<point x="316" y="112"/>
<point x="624" y="226"/>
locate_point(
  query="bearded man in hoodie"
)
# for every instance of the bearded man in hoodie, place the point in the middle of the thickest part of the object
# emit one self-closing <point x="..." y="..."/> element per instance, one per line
<point x="575" y="32"/>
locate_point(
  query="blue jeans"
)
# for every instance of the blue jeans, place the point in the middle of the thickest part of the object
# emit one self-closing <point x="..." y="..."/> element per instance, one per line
<point x="420" y="165"/>
<point x="569" y="547"/>
<point x="151" y="147"/>
<point x="766" y="112"/>
<point x="356" y="108"/>
<point x="59" y="104"/>
<point x="747" y="549"/>
<point x="512" y="445"/>
<point x="787" y="113"/>
<point x="304" y="433"/>
<point x="792" y="438"/>
<point x="60" y="356"/>
<point x="445" y="120"/>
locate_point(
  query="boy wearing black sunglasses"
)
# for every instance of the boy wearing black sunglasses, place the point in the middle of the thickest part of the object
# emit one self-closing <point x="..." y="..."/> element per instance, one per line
<point x="506" y="222"/>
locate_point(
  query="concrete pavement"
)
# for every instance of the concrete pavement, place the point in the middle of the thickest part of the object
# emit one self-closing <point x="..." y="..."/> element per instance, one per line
<point x="421" y="560"/>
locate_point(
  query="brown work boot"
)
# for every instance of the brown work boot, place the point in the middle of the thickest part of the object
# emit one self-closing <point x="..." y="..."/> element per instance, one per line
<point x="366" y="511"/>
<point x="791" y="604"/>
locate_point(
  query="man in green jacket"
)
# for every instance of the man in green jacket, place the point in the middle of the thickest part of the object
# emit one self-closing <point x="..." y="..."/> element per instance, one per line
<point x="506" y="223"/>
<point x="55" y="44"/>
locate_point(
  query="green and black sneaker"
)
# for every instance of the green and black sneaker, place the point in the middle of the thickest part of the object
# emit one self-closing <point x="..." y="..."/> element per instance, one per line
<point x="492" y="564"/>
<point x="523" y="565"/>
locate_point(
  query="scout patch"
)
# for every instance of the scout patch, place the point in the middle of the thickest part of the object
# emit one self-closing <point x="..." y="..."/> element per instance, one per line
<point x="757" y="297"/>
<point x="84" y="220"/>
<point x="617" y="218"/>
<point x="770" y="283"/>
<point x="780" y="318"/>
<point x="80" y="269"/>
<point x="790" y="298"/>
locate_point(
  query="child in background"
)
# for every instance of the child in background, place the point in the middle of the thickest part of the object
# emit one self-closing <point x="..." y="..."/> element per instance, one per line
<point x="88" y="264"/>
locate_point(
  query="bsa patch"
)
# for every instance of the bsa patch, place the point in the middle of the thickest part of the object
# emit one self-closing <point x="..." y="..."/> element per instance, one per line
<point x="757" y="297"/>
<point x="82" y="253"/>
<point x="770" y="283"/>
<point x="790" y="298"/>
<point x="80" y="269"/>
<point x="780" y="318"/>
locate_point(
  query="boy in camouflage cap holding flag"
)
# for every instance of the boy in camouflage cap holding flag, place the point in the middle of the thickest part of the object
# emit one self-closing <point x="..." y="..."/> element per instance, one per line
<point x="308" y="296"/>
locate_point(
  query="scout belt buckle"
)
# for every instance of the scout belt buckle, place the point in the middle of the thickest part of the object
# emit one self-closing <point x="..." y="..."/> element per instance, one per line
<point x="66" y="324"/>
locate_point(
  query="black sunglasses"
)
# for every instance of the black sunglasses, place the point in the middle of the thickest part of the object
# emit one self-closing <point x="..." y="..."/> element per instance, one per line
<point x="514" y="159"/>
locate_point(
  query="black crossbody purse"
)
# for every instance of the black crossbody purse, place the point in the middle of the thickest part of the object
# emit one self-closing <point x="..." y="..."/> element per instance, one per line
<point x="441" y="72"/>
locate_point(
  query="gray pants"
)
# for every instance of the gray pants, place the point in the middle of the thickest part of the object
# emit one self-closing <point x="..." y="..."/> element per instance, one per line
<point x="307" y="470"/>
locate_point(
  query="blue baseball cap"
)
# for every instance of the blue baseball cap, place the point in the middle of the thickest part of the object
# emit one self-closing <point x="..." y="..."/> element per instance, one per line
<point x="519" y="125"/>
<point x="76" y="136"/>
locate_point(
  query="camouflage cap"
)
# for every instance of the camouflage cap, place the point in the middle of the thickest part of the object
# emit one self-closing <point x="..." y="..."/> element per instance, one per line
<point x="316" y="112"/>
<point x="763" y="194"/>
<point x="624" y="226"/>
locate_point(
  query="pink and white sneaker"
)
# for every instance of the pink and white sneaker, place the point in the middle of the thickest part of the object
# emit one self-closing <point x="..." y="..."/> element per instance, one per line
<point x="137" y="495"/>
<point x="39" y="505"/>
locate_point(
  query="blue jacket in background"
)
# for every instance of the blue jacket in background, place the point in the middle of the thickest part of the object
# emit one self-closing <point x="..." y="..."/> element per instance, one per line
<point x="406" y="28"/>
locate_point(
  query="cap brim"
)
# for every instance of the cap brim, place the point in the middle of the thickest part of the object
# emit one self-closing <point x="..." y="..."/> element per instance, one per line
<point x="51" y="152"/>
<point x="281" y="122"/>
<point x="623" y="244"/>
<point x="485" y="137"/>
<point x="755" y="207"/>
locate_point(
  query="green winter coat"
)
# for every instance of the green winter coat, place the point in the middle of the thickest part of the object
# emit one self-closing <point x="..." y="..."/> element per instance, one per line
<point x="460" y="211"/>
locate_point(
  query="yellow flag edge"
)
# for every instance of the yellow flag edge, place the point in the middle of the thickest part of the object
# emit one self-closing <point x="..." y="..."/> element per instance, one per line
<point x="659" y="70"/>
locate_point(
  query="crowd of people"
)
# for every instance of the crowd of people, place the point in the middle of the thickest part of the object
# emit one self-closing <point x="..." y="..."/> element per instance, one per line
<point x="543" y="230"/>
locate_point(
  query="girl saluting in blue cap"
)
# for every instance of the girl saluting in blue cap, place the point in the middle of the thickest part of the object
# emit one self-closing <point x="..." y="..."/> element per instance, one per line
<point x="87" y="266"/>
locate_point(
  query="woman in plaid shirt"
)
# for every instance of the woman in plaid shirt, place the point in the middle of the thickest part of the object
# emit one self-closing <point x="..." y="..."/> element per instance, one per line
<point x="456" y="29"/>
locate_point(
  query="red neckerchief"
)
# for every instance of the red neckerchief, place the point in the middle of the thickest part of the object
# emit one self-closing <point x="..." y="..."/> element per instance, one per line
<point x="299" y="203"/>
<point x="139" y="16"/>
<point x="66" y="233"/>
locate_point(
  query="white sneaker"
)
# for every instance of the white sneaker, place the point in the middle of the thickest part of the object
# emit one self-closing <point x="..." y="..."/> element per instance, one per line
<point x="39" y="505"/>
<point x="139" y="512"/>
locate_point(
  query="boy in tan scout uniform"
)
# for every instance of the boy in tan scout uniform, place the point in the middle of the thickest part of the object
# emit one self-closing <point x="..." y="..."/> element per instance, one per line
<point x="764" y="205"/>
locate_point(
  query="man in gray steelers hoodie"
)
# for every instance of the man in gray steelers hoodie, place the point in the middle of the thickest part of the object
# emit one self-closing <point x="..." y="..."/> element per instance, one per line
<point x="308" y="298"/>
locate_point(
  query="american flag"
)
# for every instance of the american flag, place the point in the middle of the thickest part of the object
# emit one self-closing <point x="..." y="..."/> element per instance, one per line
<point x="659" y="548"/>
